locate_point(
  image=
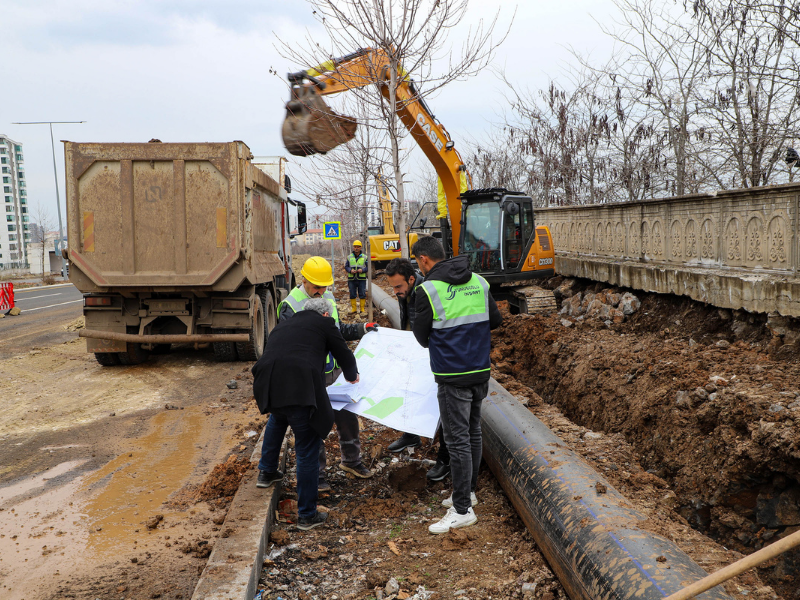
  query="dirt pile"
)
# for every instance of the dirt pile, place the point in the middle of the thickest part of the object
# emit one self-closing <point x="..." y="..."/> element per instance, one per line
<point x="706" y="397"/>
<point x="223" y="481"/>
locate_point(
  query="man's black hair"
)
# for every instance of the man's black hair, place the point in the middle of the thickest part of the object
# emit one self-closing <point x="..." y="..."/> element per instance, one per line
<point x="400" y="266"/>
<point x="429" y="246"/>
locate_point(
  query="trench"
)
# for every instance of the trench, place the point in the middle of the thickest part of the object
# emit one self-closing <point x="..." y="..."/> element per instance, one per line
<point x="706" y="398"/>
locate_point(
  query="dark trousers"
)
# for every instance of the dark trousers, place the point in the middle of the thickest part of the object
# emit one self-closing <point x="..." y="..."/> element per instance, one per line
<point x="442" y="455"/>
<point x="348" y="430"/>
<point x="460" y="410"/>
<point x="306" y="447"/>
<point x="358" y="288"/>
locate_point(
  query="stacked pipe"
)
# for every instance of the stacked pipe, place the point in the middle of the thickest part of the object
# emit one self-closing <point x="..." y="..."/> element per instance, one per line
<point x="588" y="532"/>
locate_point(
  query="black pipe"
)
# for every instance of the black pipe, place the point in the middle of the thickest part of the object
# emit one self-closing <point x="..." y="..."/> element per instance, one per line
<point x="590" y="539"/>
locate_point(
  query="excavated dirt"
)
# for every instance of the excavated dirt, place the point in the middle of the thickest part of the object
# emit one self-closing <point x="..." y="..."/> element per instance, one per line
<point x="378" y="527"/>
<point x="706" y="398"/>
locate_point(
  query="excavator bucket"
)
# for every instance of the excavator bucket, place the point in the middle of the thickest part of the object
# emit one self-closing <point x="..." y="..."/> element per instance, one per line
<point x="311" y="127"/>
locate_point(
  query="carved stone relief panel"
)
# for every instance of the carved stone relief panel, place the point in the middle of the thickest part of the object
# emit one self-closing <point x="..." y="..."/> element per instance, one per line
<point x="707" y="240"/>
<point x="754" y="237"/>
<point x="691" y="239"/>
<point x="619" y="247"/>
<point x="776" y="241"/>
<point x="676" y="239"/>
<point x="633" y="238"/>
<point x="658" y="245"/>
<point x="646" y="238"/>
<point x="733" y="241"/>
<point x="599" y="238"/>
<point x="609" y="238"/>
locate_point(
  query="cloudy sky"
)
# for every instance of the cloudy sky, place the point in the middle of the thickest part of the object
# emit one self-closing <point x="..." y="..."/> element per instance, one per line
<point x="208" y="70"/>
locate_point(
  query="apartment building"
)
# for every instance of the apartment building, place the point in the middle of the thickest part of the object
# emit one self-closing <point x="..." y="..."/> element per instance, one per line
<point x="14" y="233"/>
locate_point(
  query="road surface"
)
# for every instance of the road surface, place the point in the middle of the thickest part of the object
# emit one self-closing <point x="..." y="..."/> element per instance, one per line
<point x="46" y="311"/>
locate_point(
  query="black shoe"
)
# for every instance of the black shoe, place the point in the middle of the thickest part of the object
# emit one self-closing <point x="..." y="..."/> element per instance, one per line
<point x="407" y="440"/>
<point x="323" y="487"/>
<point x="438" y="471"/>
<point x="267" y="479"/>
<point x="318" y="519"/>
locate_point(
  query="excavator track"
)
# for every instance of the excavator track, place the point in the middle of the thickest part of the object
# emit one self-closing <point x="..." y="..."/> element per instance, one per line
<point x="536" y="300"/>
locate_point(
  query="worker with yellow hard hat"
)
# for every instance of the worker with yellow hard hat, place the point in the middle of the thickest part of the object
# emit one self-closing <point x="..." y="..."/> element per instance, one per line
<point x="317" y="277"/>
<point x="356" y="267"/>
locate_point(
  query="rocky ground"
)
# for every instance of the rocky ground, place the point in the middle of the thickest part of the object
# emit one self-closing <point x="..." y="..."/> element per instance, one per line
<point x="689" y="411"/>
<point x="377" y="544"/>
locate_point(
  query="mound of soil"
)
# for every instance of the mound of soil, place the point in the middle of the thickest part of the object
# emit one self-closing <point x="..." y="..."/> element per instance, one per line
<point x="706" y="398"/>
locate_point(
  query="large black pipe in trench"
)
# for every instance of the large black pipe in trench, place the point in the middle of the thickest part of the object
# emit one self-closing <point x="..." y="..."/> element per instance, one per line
<point x="591" y="540"/>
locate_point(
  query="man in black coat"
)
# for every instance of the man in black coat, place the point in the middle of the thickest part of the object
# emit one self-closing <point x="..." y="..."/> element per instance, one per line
<point x="289" y="383"/>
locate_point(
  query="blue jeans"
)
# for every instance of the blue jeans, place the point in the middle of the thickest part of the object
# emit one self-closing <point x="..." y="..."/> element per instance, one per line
<point x="357" y="288"/>
<point x="306" y="448"/>
<point x="460" y="411"/>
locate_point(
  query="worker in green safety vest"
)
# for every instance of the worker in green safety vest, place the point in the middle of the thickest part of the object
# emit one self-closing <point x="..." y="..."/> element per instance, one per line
<point x="454" y="315"/>
<point x="317" y="278"/>
<point x="356" y="267"/>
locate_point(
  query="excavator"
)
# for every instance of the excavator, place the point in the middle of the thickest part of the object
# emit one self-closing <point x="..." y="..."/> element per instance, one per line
<point x="494" y="227"/>
<point x="384" y="241"/>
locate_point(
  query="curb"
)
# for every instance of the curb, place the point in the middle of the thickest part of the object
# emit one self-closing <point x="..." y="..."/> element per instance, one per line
<point x="40" y="287"/>
<point x="232" y="572"/>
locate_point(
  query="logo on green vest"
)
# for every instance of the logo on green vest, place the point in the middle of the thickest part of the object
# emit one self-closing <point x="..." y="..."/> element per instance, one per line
<point x="466" y="290"/>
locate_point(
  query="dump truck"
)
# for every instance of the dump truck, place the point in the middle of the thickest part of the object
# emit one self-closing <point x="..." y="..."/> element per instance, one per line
<point x="178" y="243"/>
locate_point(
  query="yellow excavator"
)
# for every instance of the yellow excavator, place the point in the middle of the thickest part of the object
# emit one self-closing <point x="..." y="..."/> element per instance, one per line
<point x="384" y="241"/>
<point x="494" y="227"/>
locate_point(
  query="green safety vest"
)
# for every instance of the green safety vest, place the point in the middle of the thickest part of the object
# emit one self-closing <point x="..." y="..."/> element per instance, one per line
<point x="357" y="263"/>
<point x="297" y="299"/>
<point x="460" y="340"/>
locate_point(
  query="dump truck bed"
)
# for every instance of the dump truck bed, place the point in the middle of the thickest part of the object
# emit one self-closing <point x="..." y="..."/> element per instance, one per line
<point x="171" y="216"/>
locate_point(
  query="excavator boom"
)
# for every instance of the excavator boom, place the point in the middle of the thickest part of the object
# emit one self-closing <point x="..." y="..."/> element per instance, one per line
<point x="368" y="67"/>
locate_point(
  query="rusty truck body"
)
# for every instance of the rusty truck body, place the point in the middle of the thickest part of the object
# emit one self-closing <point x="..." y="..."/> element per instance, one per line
<point x="177" y="243"/>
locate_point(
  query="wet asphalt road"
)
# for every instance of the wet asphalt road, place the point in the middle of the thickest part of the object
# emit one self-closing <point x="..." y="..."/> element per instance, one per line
<point x="45" y="312"/>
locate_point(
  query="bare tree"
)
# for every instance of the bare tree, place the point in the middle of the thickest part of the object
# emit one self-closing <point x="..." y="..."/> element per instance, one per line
<point x="42" y="223"/>
<point x="411" y="36"/>
<point x="753" y="96"/>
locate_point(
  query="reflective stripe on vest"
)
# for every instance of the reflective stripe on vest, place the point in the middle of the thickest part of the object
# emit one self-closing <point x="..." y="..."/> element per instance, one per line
<point x="460" y="339"/>
<point x="297" y="299"/>
<point x="357" y="263"/>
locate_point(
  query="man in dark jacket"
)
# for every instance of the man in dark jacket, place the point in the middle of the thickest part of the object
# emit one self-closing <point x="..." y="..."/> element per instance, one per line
<point x="317" y="277"/>
<point x="405" y="280"/>
<point x="455" y="313"/>
<point x="289" y="383"/>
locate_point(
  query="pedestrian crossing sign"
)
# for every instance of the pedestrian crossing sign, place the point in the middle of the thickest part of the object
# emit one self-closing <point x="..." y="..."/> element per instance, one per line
<point x="332" y="230"/>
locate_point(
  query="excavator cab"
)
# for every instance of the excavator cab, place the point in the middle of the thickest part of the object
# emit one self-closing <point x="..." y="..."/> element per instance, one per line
<point x="500" y="239"/>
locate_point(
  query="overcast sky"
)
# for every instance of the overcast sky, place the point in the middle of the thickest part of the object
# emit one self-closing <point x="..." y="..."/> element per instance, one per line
<point x="208" y="70"/>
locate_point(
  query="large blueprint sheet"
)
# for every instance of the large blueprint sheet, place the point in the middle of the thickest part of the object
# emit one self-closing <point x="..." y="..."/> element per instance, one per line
<point x="396" y="387"/>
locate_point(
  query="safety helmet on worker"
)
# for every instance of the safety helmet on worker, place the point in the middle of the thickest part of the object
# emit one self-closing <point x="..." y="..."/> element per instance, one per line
<point x="357" y="243"/>
<point x="317" y="271"/>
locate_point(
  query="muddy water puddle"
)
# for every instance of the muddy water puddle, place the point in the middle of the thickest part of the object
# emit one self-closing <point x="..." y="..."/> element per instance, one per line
<point x="66" y="516"/>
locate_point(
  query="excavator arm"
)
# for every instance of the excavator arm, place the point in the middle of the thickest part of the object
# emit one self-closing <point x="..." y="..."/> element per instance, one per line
<point x="368" y="67"/>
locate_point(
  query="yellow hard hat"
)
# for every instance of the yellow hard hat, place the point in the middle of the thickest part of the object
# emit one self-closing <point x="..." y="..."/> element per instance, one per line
<point x="318" y="271"/>
<point x="357" y="243"/>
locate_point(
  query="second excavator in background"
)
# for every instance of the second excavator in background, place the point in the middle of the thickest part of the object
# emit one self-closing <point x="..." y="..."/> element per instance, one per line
<point x="494" y="227"/>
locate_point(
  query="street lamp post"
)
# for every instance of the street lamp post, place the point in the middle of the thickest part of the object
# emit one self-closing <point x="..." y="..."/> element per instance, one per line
<point x="55" y="176"/>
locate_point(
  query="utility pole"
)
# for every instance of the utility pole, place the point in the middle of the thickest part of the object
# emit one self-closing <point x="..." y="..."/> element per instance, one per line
<point x="55" y="176"/>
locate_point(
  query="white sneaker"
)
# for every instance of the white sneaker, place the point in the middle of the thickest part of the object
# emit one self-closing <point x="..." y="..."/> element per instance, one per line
<point x="453" y="520"/>
<point x="448" y="502"/>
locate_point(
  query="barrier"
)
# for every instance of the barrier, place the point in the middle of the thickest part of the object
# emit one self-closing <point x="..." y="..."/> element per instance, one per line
<point x="6" y="296"/>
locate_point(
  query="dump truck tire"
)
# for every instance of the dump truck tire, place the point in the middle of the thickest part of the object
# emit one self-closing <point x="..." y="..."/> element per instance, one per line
<point x="134" y="355"/>
<point x="107" y="359"/>
<point x="270" y="313"/>
<point x="224" y="351"/>
<point x="254" y="347"/>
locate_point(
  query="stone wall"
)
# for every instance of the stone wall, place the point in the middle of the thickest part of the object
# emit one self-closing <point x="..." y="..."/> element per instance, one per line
<point x="737" y="249"/>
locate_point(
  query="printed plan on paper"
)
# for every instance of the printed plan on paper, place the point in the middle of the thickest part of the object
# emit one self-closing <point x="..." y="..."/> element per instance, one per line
<point x="396" y="387"/>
